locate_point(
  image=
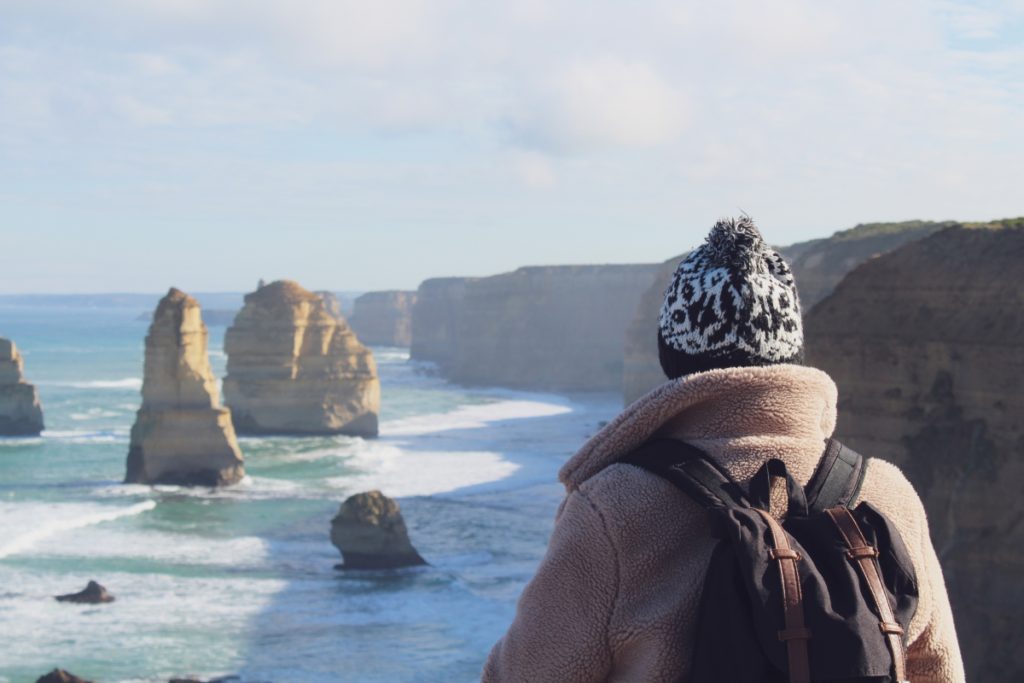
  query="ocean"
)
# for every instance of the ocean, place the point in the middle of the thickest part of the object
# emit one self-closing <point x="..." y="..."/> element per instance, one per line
<point x="242" y="581"/>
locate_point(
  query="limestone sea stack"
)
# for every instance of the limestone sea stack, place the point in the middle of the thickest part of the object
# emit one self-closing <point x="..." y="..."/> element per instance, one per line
<point x="384" y="318"/>
<point x="294" y="367"/>
<point x="20" y="411"/>
<point x="925" y="345"/>
<point x="181" y="434"/>
<point x="370" y="533"/>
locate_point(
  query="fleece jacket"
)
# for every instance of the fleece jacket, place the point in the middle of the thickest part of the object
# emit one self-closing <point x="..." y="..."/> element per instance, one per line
<point x="616" y="596"/>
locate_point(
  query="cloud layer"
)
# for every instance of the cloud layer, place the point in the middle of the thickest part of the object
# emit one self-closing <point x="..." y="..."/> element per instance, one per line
<point x="401" y="123"/>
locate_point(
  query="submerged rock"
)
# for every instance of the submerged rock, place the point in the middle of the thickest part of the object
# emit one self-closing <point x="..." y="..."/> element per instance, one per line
<point x="294" y="367"/>
<point x="20" y="411"/>
<point x="92" y="594"/>
<point x="60" y="676"/>
<point x="181" y="434"/>
<point x="370" y="533"/>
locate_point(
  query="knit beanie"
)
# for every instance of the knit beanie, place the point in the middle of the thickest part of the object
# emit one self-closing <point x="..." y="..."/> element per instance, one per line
<point x="732" y="302"/>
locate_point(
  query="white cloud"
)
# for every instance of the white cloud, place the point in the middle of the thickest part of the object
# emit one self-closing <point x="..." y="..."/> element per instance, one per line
<point x="534" y="170"/>
<point x="605" y="103"/>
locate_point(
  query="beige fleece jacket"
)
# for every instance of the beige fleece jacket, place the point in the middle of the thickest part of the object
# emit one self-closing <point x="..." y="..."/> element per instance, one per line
<point x="615" y="598"/>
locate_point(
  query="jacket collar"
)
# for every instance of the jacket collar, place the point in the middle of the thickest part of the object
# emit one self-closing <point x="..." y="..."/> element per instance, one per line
<point x="726" y="412"/>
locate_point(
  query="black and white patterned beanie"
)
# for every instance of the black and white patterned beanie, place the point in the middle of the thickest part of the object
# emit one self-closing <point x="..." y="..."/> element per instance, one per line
<point x="731" y="303"/>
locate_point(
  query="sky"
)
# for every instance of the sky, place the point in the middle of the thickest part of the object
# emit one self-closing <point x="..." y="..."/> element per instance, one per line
<point x="369" y="145"/>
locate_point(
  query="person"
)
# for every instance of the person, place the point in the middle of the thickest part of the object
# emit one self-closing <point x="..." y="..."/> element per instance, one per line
<point x="616" y="596"/>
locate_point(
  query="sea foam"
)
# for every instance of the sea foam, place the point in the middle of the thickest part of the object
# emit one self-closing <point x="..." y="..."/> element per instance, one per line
<point x="38" y="521"/>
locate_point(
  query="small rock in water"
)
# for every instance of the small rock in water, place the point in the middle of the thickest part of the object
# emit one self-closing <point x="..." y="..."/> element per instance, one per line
<point x="370" y="533"/>
<point x="60" y="676"/>
<point x="92" y="594"/>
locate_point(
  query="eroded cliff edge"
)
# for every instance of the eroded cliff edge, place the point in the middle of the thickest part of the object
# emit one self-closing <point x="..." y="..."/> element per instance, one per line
<point x="925" y="344"/>
<point x="295" y="367"/>
<point x="20" y="411"/>
<point x="556" y="328"/>
<point x="818" y="266"/>
<point x="181" y="434"/>
<point x="384" y="318"/>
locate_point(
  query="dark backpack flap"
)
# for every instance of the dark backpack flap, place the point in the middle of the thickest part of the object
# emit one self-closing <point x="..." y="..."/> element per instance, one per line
<point x="846" y="642"/>
<point x="727" y="647"/>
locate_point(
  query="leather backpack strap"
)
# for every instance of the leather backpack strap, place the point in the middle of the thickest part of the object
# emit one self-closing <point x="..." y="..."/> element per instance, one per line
<point x="837" y="479"/>
<point x="692" y="471"/>
<point x="866" y="558"/>
<point x="796" y="634"/>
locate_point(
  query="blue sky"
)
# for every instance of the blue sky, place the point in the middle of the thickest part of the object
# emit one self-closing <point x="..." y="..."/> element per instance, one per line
<point x="369" y="145"/>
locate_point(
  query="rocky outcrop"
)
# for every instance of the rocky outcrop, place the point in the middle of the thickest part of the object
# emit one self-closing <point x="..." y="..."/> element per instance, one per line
<point x="818" y="266"/>
<point x="557" y="328"/>
<point x="181" y="434"/>
<point x="435" y="320"/>
<point x="296" y="368"/>
<point x="92" y="594"/>
<point x="20" y="411"/>
<point x="370" y="533"/>
<point x="384" y="318"/>
<point x="60" y="676"/>
<point x="925" y="346"/>
<point x="331" y="302"/>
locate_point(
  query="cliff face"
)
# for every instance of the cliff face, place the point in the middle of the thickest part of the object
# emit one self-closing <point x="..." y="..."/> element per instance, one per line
<point x="925" y="346"/>
<point x="296" y="368"/>
<point x="435" y="319"/>
<point x="818" y="266"/>
<point x="181" y="433"/>
<point x="20" y="411"/>
<point x="552" y="328"/>
<point x="384" y="318"/>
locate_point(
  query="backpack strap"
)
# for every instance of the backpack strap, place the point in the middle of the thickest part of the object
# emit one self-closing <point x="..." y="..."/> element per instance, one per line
<point x="837" y="479"/>
<point x="691" y="470"/>
<point x="865" y="556"/>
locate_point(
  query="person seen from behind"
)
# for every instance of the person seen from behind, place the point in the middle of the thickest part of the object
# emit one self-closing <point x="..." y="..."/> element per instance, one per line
<point x="620" y="594"/>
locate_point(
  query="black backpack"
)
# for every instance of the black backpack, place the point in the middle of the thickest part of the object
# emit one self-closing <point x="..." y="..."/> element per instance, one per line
<point x="825" y="595"/>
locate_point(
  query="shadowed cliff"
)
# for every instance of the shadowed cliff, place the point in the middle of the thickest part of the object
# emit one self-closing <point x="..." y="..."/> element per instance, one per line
<point x="925" y="344"/>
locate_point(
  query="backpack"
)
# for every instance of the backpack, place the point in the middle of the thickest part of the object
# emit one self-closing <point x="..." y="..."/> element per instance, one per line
<point x="824" y="595"/>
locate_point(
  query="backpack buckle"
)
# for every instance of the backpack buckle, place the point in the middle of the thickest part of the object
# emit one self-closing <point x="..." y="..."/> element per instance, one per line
<point x="862" y="552"/>
<point x="888" y="627"/>
<point x="784" y="554"/>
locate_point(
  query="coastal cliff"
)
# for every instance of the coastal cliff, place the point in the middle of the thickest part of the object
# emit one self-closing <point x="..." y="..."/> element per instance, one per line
<point x="20" y="411"/>
<point x="557" y="328"/>
<point x="294" y="367"/>
<point x="384" y="318"/>
<point x="435" y="319"/>
<point x="181" y="433"/>
<point x="925" y="346"/>
<point x="818" y="266"/>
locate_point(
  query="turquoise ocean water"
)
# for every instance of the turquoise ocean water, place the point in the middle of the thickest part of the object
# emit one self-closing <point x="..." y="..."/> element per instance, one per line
<point x="242" y="580"/>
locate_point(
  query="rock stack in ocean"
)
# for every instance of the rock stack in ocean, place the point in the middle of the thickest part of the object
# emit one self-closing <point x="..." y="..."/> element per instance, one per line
<point x="370" y="533"/>
<point x="61" y="676"/>
<point x="181" y="434"/>
<point x="557" y="328"/>
<point x="925" y="344"/>
<point x="294" y="367"/>
<point x="92" y="594"/>
<point x="20" y="412"/>
<point x="818" y="266"/>
<point x="384" y="318"/>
